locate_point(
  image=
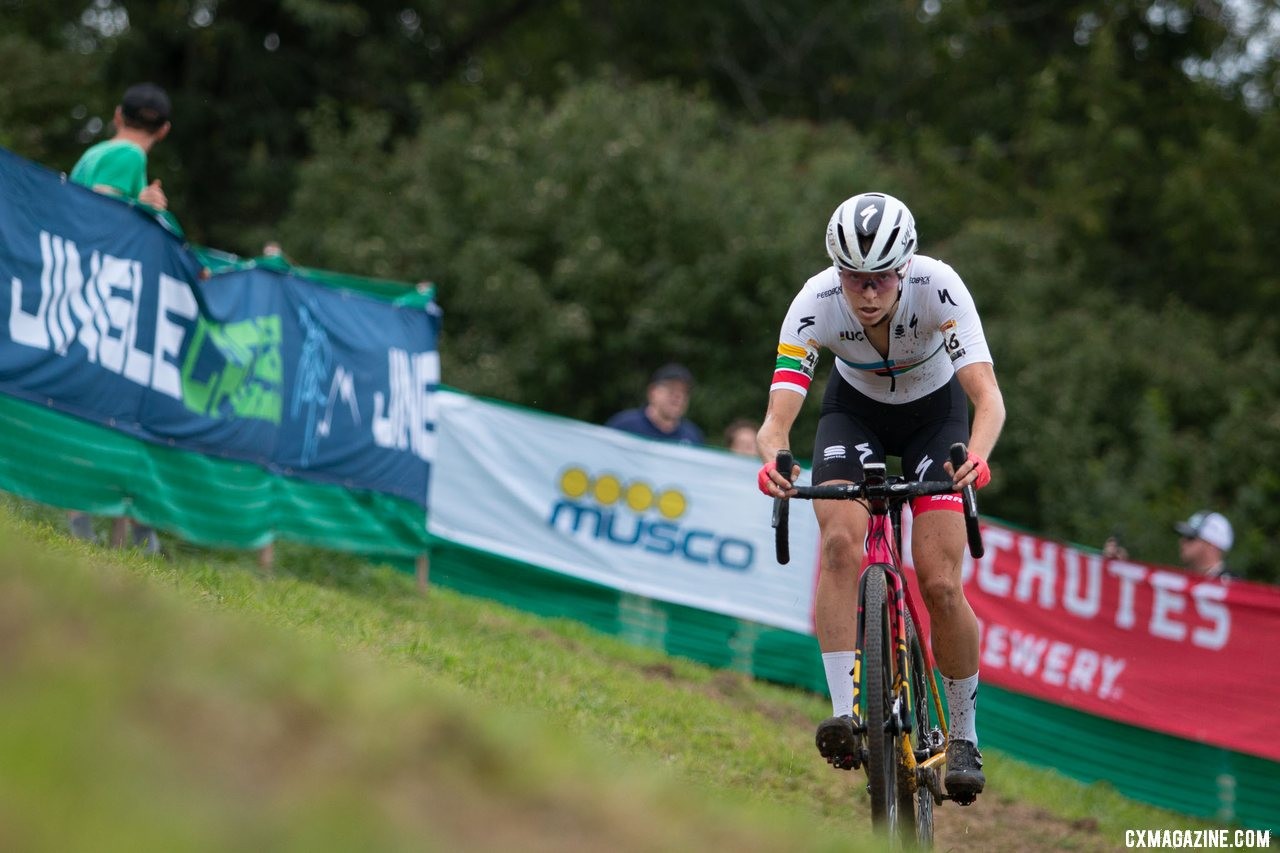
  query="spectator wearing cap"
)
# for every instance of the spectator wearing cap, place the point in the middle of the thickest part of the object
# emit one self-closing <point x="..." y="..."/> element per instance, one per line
<point x="1206" y="537"/>
<point x="662" y="417"/>
<point x="118" y="166"/>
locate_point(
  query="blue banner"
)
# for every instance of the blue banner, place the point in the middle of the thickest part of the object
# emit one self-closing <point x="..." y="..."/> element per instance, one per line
<point x="106" y="315"/>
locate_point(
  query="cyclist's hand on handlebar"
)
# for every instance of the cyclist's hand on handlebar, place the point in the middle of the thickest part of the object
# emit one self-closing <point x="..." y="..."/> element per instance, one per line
<point x="773" y="483"/>
<point x="974" y="471"/>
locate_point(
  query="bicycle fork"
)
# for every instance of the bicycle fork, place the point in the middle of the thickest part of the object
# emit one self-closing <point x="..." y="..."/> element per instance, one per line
<point x="921" y="766"/>
<point x="917" y="767"/>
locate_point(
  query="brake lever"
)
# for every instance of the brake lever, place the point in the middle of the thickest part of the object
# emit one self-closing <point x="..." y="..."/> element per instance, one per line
<point x="969" y="495"/>
<point x="781" y="513"/>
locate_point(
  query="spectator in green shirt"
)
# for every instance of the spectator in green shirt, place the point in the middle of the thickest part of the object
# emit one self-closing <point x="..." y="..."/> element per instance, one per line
<point x="118" y="167"/>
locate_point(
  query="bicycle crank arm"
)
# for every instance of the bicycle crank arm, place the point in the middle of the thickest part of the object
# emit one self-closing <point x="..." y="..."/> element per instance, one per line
<point x="927" y="777"/>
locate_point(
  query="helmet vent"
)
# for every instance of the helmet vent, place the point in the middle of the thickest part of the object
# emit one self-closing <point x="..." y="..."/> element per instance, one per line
<point x="844" y="244"/>
<point x="889" y="245"/>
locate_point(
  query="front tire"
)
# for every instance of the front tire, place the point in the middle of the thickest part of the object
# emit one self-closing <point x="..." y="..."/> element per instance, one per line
<point x="915" y="810"/>
<point x="877" y="652"/>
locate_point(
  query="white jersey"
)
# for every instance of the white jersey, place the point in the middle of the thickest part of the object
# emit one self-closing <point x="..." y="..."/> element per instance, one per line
<point x="934" y="330"/>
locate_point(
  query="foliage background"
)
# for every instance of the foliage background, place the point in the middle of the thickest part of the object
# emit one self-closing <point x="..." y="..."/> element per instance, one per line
<point x="596" y="188"/>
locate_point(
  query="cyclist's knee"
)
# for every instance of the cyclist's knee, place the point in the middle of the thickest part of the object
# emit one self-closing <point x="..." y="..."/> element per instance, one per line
<point x="841" y="550"/>
<point x="942" y="593"/>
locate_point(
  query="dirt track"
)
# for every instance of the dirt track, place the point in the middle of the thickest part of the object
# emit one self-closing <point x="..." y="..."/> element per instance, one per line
<point x="992" y="825"/>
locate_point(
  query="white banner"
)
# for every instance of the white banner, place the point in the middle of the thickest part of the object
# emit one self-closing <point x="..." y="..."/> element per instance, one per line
<point x="670" y="522"/>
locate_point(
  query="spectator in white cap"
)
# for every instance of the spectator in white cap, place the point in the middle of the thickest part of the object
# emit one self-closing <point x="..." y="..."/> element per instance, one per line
<point x="1206" y="539"/>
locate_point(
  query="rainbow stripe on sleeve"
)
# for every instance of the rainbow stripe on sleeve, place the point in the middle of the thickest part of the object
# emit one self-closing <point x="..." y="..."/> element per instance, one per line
<point x="788" y="372"/>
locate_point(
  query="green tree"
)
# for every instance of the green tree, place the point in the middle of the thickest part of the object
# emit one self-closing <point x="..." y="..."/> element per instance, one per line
<point x="1122" y="415"/>
<point x="616" y="228"/>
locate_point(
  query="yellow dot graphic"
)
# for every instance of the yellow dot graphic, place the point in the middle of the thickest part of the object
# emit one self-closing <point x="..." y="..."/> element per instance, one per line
<point x="608" y="489"/>
<point x="639" y="496"/>
<point x="671" y="504"/>
<point x="575" y="482"/>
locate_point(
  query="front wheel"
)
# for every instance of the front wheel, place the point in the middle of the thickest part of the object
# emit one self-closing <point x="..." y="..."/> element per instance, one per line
<point x="915" y="809"/>
<point x="877" y="653"/>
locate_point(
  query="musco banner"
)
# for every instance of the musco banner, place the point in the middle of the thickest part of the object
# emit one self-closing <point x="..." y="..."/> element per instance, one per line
<point x="107" y="316"/>
<point x="669" y="522"/>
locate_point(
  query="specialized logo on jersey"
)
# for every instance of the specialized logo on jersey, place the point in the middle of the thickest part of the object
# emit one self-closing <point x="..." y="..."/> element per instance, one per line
<point x="794" y="368"/>
<point x="805" y="322"/>
<point x="634" y="514"/>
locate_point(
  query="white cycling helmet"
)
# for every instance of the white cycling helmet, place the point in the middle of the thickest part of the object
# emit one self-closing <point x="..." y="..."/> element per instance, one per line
<point x="871" y="232"/>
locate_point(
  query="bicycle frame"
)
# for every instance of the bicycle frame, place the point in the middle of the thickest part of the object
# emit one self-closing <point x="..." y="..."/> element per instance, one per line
<point x="880" y="555"/>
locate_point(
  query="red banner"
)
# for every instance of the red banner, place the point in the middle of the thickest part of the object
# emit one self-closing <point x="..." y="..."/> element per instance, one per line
<point x="1144" y="644"/>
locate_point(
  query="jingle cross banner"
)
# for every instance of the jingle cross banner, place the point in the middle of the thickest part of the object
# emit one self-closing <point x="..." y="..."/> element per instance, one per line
<point x="107" y="316"/>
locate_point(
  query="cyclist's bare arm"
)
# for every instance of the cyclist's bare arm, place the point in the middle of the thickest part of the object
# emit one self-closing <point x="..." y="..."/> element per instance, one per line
<point x="775" y="434"/>
<point x="979" y="383"/>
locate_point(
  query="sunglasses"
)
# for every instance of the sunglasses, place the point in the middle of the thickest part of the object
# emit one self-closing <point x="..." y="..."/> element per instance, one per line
<point x="881" y="282"/>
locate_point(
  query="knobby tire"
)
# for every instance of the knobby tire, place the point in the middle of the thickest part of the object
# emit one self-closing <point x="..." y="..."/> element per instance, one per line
<point x="915" y="810"/>
<point x="882" y="760"/>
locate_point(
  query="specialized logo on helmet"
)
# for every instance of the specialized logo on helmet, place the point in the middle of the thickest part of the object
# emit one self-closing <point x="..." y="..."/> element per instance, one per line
<point x="634" y="514"/>
<point x="866" y="214"/>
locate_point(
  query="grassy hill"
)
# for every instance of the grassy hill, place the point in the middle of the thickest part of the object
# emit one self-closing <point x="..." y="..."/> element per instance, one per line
<point x="193" y="704"/>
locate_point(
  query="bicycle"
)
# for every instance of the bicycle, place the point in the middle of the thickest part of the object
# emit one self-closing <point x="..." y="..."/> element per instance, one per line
<point x="903" y="733"/>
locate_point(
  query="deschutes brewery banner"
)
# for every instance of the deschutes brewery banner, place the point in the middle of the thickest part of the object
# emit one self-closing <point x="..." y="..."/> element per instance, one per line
<point x="1144" y="644"/>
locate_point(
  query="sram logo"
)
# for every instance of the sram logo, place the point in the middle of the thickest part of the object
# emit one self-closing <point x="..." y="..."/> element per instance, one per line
<point x="634" y="514"/>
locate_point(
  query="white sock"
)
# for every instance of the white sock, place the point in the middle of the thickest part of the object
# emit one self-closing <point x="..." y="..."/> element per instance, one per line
<point x="839" y="667"/>
<point x="962" y="707"/>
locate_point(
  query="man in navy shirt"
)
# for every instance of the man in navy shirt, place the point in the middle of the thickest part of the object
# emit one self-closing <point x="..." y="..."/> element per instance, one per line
<point x="663" y="416"/>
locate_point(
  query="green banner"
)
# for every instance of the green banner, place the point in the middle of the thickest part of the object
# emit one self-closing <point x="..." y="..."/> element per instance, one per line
<point x="62" y="461"/>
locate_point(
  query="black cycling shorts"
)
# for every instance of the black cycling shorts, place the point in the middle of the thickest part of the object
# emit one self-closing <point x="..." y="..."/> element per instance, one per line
<point x="854" y="429"/>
